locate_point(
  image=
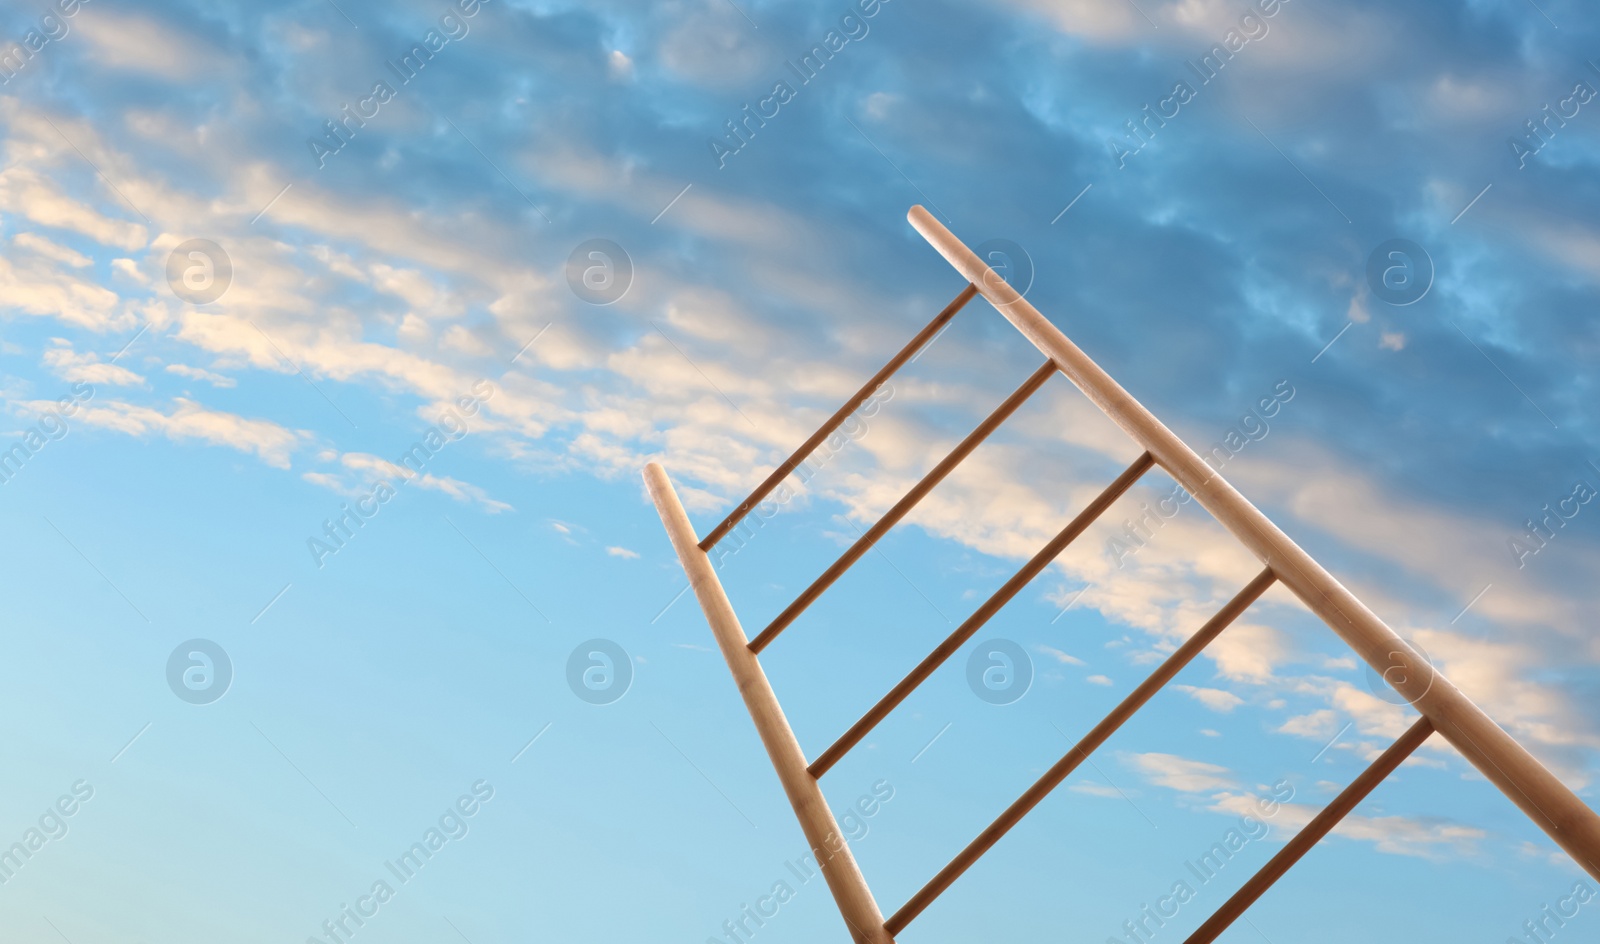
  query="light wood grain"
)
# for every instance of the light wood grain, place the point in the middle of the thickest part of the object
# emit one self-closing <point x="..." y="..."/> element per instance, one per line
<point x="839" y="867"/>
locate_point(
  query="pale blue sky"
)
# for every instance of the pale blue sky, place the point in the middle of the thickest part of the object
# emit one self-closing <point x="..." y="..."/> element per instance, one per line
<point x="416" y="279"/>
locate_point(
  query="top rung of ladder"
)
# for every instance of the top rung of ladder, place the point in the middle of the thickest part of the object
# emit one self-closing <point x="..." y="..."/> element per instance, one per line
<point x="912" y="348"/>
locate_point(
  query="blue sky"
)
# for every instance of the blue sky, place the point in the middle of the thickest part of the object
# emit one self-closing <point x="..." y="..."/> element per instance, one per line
<point x="411" y="285"/>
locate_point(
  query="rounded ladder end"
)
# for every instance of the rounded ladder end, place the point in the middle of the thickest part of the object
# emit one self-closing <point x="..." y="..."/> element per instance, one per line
<point x="655" y="479"/>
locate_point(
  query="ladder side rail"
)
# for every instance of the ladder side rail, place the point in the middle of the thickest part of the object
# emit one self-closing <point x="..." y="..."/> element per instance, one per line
<point x="821" y="830"/>
<point x="1551" y="805"/>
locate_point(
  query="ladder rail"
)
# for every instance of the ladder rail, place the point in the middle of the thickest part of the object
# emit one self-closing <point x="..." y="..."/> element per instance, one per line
<point x="1547" y="801"/>
<point x="821" y="830"/>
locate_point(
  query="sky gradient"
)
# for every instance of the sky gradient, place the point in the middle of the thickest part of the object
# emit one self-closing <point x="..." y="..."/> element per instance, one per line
<point x="334" y="335"/>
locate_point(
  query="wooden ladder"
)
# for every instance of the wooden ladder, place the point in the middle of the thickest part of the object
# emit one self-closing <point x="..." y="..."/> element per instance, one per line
<point x="1506" y="764"/>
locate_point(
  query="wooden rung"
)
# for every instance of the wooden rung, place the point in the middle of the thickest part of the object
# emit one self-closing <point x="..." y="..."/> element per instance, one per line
<point x="1067" y="764"/>
<point x="1319" y="827"/>
<point x="905" y="504"/>
<point x="911" y="349"/>
<point x="982" y="615"/>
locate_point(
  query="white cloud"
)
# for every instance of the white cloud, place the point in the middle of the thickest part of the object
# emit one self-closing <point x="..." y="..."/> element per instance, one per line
<point x="1059" y="656"/>
<point x="1432" y="838"/>
<point x="1249" y="651"/>
<point x="31" y="285"/>
<point x="619" y="65"/>
<point x="197" y="373"/>
<point x="373" y="469"/>
<point x="460" y="491"/>
<point x="1317" y="725"/>
<point x="129" y="270"/>
<point x="144" y="44"/>
<point x="1214" y="698"/>
<point x="1092" y="788"/>
<point x="710" y="45"/>
<point x="26" y="191"/>
<point x="86" y="368"/>
<point x="622" y="552"/>
<point x="56" y="253"/>
<point x="1182" y="774"/>
<point x="190" y="421"/>
<point x="1089" y="19"/>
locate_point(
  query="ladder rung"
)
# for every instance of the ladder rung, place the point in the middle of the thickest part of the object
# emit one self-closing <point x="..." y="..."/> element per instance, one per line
<point x="1319" y="827"/>
<point x="982" y="615"/>
<point x="1067" y="764"/>
<point x="916" y="344"/>
<point x="905" y="504"/>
